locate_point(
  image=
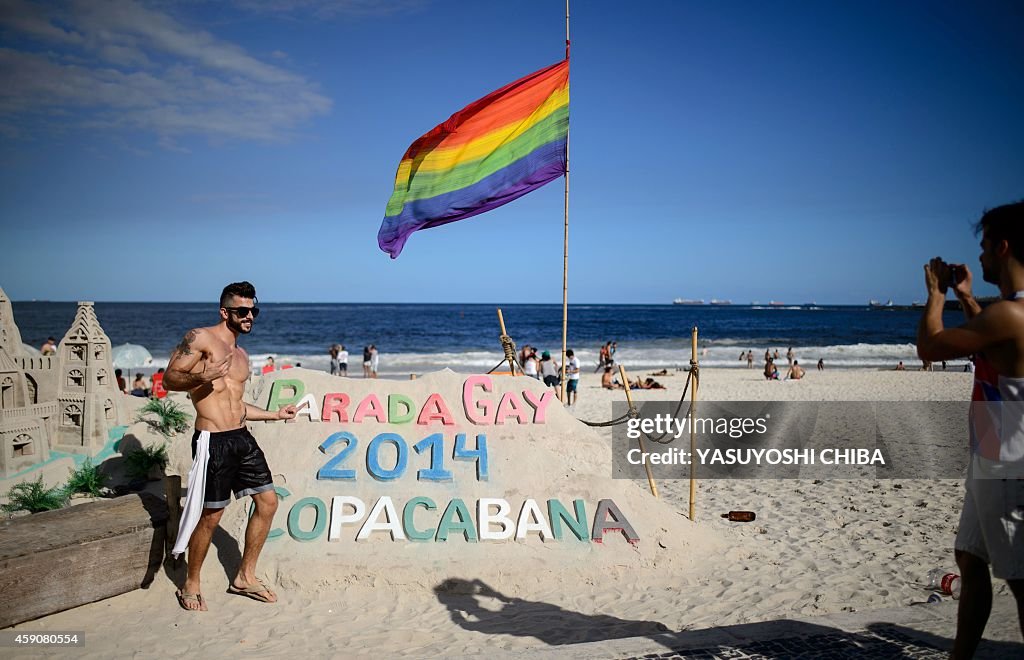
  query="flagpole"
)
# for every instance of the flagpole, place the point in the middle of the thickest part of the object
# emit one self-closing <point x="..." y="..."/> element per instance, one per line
<point x="565" y="244"/>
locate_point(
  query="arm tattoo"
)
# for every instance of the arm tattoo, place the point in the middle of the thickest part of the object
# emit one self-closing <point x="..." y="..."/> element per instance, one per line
<point x="185" y="347"/>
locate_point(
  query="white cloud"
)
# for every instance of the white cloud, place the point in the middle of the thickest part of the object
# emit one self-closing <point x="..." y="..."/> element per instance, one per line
<point x="117" y="64"/>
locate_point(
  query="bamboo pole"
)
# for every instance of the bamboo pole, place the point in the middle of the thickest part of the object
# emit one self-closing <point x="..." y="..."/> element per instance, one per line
<point x="511" y="360"/>
<point x="693" y="435"/>
<point x="565" y="241"/>
<point x="639" y="439"/>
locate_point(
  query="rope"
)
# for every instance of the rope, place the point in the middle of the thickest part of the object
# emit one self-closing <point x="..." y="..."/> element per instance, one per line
<point x="632" y="413"/>
<point x="509" y="348"/>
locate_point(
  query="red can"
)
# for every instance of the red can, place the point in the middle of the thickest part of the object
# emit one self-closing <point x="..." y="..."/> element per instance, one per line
<point x="947" y="582"/>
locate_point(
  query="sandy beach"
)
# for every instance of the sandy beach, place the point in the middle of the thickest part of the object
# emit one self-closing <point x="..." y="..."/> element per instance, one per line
<point x="817" y="547"/>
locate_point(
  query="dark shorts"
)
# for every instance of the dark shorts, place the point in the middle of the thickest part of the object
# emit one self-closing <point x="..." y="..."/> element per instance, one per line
<point x="571" y="384"/>
<point x="236" y="465"/>
<point x="551" y="381"/>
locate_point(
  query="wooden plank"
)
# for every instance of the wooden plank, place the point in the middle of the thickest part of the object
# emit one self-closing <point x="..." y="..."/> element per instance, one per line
<point x="63" y="562"/>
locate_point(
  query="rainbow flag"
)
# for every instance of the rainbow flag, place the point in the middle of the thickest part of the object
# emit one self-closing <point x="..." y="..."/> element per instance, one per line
<point x="491" y="152"/>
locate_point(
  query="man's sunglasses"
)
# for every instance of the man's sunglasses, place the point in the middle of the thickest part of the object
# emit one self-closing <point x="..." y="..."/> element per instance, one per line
<point x="242" y="312"/>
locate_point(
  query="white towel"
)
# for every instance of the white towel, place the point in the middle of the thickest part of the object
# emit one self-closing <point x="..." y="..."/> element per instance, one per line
<point x="196" y="493"/>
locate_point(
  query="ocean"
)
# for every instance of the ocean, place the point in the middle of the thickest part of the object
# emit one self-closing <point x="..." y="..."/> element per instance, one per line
<point x="416" y="338"/>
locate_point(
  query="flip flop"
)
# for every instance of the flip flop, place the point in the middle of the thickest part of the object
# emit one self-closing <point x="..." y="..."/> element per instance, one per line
<point x="253" y="591"/>
<point x="184" y="598"/>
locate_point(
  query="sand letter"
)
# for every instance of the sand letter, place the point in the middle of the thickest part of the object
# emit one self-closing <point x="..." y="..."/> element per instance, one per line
<point x="335" y="402"/>
<point x="339" y="517"/>
<point x="407" y="519"/>
<point x="395" y="403"/>
<point x="307" y="406"/>
<point x="510" y="407"/>
<point x="577" y="525"/>
<point x="284" y="392"/>
<point x="463" y="525"/>
<point x="435" y="409"/>
<point x="618" y="523"/>
<point x="540" y="405"/>
<point x="390" y="523"/>
<point x="372" y="407"/>
<point x="485" y="518"/>
<point x="524" y="525"/>
<point x="471" y="406"/>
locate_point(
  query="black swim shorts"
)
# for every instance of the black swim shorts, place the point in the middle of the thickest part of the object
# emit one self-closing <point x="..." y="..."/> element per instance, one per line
<point x="236" y="464"/>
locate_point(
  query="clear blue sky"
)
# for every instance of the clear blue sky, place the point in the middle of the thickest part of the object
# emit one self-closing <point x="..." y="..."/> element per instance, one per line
<point x="791" y="151"/>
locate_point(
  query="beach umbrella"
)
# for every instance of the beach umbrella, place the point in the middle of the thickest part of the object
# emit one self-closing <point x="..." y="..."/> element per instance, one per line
<point x="129" y="356"/>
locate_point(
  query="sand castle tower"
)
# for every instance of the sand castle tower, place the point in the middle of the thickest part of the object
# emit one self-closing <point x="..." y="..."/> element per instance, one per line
<point x="86" y="387"/>
<point x="10" y="336"/>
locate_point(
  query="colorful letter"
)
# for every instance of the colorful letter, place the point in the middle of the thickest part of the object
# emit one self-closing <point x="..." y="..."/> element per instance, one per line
<point x="618" y="523"/>
<point x="578" y="525"/>
<point x="307" y="406"/>
<point x="510" y="406"/>
<point x="409" y="524"/>
<point x="434" y="408"/>
<point x="485" y="405"/>
<point x="540" y="406"/>
<point x="278" y="397"/>
<point x="318" y="525"/>
<point x="395" y="401"/>
<point x="524" y="524"/>
<point x="449" y="524"/>
<point x="339" y="517"/>
<point x="371" y="406"/>
<point x="485" y="518"/>
<point x="335" y="402"/>
<point x="390" y="523"/>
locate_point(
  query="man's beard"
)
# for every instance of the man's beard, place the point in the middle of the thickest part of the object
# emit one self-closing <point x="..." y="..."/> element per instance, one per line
<point x="238" y="327"/>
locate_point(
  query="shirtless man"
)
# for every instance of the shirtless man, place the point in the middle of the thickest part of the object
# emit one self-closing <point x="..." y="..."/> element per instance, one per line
<point x="796" y="372"/>
<point x="213" y="369"/>
<point x="991" y="530"/>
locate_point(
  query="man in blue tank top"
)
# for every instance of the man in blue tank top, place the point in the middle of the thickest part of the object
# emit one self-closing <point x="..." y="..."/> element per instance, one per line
<point x="991" y="529"/>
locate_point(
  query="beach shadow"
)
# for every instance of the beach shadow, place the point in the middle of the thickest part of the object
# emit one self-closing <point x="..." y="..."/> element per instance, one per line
<point x="549" y="623"/>
<point x="228" y="554"/>
<point x="156" y="507"/>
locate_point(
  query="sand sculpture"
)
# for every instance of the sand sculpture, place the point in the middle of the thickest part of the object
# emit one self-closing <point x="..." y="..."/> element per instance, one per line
<point x="66" y="402"/>
<point x="488" y="472"/>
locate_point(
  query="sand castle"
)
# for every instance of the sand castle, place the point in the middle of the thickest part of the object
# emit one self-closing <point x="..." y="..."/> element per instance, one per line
<point x="66" y="402"/>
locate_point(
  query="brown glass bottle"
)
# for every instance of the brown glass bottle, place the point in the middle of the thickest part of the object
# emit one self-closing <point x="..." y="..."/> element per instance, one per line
<point x="740" y="516"/>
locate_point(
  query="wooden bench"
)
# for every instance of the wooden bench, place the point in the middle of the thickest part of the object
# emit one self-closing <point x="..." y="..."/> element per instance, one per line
<point x="57" y="560"/>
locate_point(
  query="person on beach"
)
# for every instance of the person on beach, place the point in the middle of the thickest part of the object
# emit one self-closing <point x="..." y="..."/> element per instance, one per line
<point x="532" y="365"/>
<point x="607" y="381"/>
<point x="789" y="356"/>
<point x="524" y="355"/>
<point x="549" y="371"/>
<point x="122" y="384"/>
<point x="49" y="347"/>
<point x="900" y="367"/>
<point x="821" y="364"/>
<point x="374" y="361"/>
<point x="159" y="391"/>
<point x="333" y="351"/>
<point x="771" y="372"/>
<point x="211" y="366"/>
<point x="572" y="377"/>
<point x="991" y="530"/>
<point x="139" y="386"/>
<point x="342" y="361"/>
<point x="796" y="372"/>
<point x="750" y="359"/>
<point x="366" y="361"/>
<point x="268" y="366"/>
<point x="604" y="356"/>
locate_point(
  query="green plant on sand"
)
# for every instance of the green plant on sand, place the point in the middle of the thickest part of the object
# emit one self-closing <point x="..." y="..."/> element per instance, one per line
<point x="87" y="479"/>
<point x="139" y="462"/>
<point x="34" y="496"/>
<point x="170" y="417"/>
